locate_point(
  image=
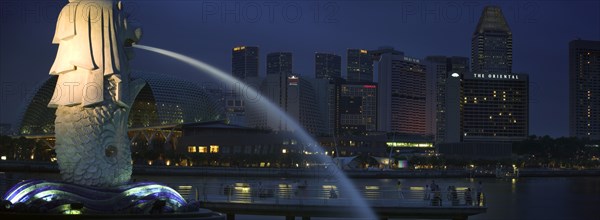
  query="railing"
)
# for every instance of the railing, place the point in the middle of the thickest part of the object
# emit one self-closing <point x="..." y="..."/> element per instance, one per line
<point x="289" y="194"/>
<point x="298" y="194"/>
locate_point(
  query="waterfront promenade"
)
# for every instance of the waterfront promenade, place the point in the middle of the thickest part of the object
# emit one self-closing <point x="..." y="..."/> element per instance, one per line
<point x="522" y="198"/>
<point x="298" y="200"/>
<point x="28" y="166"/>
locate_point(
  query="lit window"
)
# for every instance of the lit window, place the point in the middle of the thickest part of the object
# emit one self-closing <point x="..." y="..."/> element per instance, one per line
<point x="214" y="148"/>
<point x="191" y="149"/>
<point x="202" y="149"/>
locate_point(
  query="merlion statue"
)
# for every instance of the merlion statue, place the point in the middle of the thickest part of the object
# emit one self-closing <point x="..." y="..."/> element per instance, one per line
<point x="93" y="94"/>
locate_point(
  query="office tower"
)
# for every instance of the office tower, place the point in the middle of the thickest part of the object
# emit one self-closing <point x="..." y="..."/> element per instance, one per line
<point x="244" y="65"/>
<point x="584" y="89"/>
<point x="279" y="63"/>
<point x="356" y="105"/>
<point x="359" y="66"/>
<point x="401" y="93"/>
<point x="441" y="69"/>
<point x="244" y="62"/>
<point x="302" y="105"/>
<point x="491" y="49"/>
<point x="275" y="88"/>
<point x="279" y="67"/>
<point x="328" y="66"/>
<point x="306" y="102"/>
<point x="325" y="91"/>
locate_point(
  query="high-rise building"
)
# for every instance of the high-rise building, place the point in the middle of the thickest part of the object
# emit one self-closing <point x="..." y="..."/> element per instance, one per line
<point x="302" y="105"/>
<point x="328" y="74"/>
<point x="279" y="63"/>
<point x="356" y="106"/>
<point x="305" y="102"/>
<point x="440" y="69"/>
<point x="279" y="67"/>
<point x="328" y="66"/>
<point x="491" y="48"/>
<point x="401" y="101"/>
<point x="244" y="66"/>
<point x="359" y="66"/>
<point x="495" y="107"/>
<point x="584" y="89"/>
<point x="273" y="87"/>
<point x="325" y="91"/>
<point x="495" y="102"/>
<point x="244" y="62"/>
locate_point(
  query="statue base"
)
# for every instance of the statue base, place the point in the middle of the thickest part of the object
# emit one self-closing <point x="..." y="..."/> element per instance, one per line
<point x="32" y="198"/>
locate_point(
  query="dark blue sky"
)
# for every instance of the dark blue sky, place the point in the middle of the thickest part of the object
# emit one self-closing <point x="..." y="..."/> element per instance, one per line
<point x="207" y="30"/>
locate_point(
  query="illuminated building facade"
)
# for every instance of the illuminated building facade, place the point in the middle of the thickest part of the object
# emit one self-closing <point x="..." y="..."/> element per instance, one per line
<point x="495" y="102"/>
<point x="495" y="107"/>
<point x="401" y="93"/>
<point x="360" y="65"/>
<point x="219" y="144"/>
<point x="328" y="66"/>
<point x="356" y="107"/>
<point x="584" y="89"/>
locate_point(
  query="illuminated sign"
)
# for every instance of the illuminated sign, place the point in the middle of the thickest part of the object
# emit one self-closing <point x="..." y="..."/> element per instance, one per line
<point x="369" y="86"/>
<point x="363" y="51"/>
<point x="495" y="76"/>
<point x="293" y="80"/>
<point x="408" y="144"/>
<point x="455" y="75"/>
<point x="239" y="48"/>
<point x="410" y="59"/>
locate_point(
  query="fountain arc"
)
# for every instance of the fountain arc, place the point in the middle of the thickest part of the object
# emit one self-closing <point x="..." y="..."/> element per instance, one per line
<point x="364" y="210"/>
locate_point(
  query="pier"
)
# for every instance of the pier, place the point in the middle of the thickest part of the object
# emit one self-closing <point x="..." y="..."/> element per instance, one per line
<point x="293" y="201"/>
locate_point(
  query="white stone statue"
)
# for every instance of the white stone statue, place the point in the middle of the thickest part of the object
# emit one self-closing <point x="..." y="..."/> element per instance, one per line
<point x="93" y="93"/>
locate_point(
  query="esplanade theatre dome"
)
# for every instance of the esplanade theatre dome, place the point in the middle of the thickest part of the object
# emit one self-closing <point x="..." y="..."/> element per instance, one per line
<point x="165" y="100"/>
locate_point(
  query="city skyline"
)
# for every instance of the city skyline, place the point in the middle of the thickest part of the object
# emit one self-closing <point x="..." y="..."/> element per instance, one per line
<point x="549" y="96"/>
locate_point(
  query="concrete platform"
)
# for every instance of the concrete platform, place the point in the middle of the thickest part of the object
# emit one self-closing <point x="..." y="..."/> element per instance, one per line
<point x="308" y="211"/>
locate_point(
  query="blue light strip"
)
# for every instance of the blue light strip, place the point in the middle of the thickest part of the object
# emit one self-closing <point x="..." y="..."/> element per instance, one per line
<point x="53" y="195"/>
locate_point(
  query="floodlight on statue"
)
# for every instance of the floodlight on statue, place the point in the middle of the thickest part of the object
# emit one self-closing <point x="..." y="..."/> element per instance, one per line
<point x="93" y="96"/>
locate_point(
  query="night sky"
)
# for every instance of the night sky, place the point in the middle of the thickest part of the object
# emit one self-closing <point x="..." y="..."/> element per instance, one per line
<point x="207" y="30"/>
